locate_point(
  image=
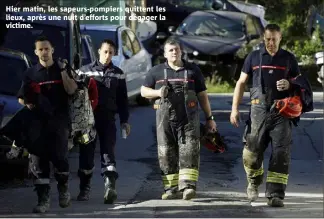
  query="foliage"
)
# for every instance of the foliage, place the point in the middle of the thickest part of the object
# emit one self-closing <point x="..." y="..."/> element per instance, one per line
<point x="305" y="50"/>
<point x="290" y="15"/>
<point x="213" y="86"/>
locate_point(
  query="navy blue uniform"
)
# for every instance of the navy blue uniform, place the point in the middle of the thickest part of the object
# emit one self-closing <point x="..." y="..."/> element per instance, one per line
<point x="266" y="125"/>
<point x="55" y="128"/>
<point x="177" y="121"/>
<point x="112" y="99"/>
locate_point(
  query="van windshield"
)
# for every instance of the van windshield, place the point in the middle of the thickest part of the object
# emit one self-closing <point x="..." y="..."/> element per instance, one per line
<point x="98" y="36"/>
<point x="24" y="39"/>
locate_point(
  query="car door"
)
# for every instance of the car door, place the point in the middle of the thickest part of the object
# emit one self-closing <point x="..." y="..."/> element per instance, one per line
<point x="11" y="77"/>
<point x="133" y="56"/>
<point x="142" y="59"/>
<point x="128" y="64"/>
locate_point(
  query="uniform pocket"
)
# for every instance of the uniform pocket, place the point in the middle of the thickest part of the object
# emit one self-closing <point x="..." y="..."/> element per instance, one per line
<point x="191" y="102"/>
<point x="254" y="92"/>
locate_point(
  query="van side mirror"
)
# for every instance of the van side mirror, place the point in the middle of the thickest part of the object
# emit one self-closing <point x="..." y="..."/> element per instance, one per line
<point x="161" y="36"/>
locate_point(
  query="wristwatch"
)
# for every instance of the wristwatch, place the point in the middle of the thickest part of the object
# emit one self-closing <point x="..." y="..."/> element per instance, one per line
<point x="210" y="118"/>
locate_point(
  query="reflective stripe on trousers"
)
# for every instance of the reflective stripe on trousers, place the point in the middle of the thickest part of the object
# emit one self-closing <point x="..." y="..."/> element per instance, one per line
<point x="178" y="141"/>
<point x="274" y="177"/>
<point x="262" y="127"/>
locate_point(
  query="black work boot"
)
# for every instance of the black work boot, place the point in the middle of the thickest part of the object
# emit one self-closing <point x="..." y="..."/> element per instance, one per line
<point x="63" y="187"/>
<point x="85" y="180"/>
<point x="275" y="202"/>
<point x="252" y="192"/>
<point x="110" y="191"/>
<point x="189" y="193"/>
<point x="64" y="195"/>
<point x="43" y="198"/>
<point x="168" y="195"/>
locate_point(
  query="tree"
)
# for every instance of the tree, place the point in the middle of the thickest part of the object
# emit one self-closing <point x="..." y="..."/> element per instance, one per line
<point x="290" y="15"/>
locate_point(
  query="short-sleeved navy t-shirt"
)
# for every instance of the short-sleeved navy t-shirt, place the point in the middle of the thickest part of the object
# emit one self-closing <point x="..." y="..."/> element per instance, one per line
<point x="51" y="84"/>
<point x="274" y="68"/>
<point x="156" y="75"/>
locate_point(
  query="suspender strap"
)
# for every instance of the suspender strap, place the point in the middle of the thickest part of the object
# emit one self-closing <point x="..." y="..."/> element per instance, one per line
<point x="260" y="72"/>
<point x="287" y="68"/>
<point x="165" y="77"/>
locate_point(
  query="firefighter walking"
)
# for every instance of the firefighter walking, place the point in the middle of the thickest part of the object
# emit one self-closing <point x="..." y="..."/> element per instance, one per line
<point x="55" y="85"/>
<point x="112" y="98"/>
<point x="178" y="86"/>
<point x="271" y="68"/>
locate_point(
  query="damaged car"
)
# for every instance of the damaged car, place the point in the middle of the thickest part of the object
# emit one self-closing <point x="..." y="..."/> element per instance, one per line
<point x="219" y="41"/>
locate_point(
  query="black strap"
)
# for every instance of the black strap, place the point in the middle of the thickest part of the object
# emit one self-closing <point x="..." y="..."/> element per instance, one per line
<point x="287" y="68"/>
<point x="186" y="75"/>
<point x="165" y="77"/>
<point x="261" y="82"/>
<point x="185" y="83"/>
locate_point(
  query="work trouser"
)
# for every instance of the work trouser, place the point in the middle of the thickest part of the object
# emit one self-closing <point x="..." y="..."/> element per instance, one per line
<point x="262" y="128"/>
<point x="55" y="151"/>
<point x="178" y="148"/>
<point x="86" y="152"/>
<point x="106" y="133"/>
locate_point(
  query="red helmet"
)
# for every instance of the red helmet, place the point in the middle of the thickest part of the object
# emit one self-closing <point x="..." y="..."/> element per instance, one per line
<point x="212" y="141"/>
<point x="290" y="107"/>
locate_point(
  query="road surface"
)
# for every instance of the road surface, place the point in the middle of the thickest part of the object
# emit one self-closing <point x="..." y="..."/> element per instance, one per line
<point x="222" y="182"/>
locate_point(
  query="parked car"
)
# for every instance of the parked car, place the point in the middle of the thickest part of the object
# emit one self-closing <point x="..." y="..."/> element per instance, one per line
<point x="14" y="64"/>
<point x="89" y="53"/>
<point x="319" y="57"/>
<point x="130" y="56"/>
<point x="64" y="34"/>
<point x="218" y="41"/>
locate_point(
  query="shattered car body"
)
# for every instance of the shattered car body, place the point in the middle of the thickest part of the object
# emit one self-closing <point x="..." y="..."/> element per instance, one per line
<point x="218" y="41"/>
<point x="320" y="67"/>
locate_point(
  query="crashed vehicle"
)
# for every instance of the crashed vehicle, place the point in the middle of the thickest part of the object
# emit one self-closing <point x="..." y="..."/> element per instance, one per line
<point x="228" y="5"/>
<point x="182" y="9"/>
<point x="219" y="41"/>
<point x="320" y="67"/>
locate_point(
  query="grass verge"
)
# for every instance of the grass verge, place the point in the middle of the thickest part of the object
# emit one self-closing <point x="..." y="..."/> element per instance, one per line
<point x="223" y="87"/>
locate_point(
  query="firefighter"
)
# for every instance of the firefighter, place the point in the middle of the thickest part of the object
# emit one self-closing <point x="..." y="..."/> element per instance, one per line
<point x="178" y="86"/>
<point x="112" y="98"/>
<point x="271" y="69"/>
<point x="55" y="86"/>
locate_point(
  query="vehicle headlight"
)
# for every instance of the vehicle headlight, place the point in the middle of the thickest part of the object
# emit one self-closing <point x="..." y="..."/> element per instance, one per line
<point x="195" y="53"/>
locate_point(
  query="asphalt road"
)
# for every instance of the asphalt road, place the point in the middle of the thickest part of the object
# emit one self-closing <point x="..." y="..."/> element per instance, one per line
<point x="222" y="182"/>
